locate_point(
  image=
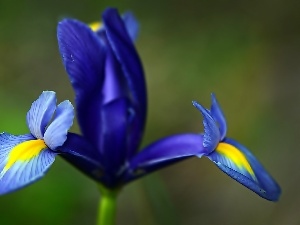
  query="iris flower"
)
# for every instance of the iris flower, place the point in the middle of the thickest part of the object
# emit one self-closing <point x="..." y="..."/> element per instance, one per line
<point x="111" y="103"/>
<point x="231" y="157"/>
<point x="25" y="158"/>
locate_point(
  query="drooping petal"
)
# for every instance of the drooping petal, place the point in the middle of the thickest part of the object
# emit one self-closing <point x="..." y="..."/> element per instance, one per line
<point x="114" y="134"/>
<point x="81" y="154"/>
<point x="56" y="133"/>
<point x="125" y="52"/>
<point x="83" y="56"/>
<point x="212" y="133"/>
<point x="238" y="162"/>
<point x="23" y="160"/>
<point x="40" y="113"/>
<point x="131" y="24"/>
<point x="218" y="115"/>
<point x="164" y="152"/>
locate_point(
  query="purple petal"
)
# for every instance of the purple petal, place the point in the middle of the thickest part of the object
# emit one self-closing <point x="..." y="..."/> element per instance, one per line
<point x="218" y="115"/>
<point x="40" y="113"/>
<point x="212" y="133"/>
<point x="83" y="56"/>
<point x="125" y="52"/>
<point x="114" y="134"/>
<point x="135" y="131"/>
<point x="81" y="154"/>
<point x="164" y="152"/>
<point x="238" y="163"/>
<point x="116" y="87"/>
<point x="115" y="84"/>
<point x="23" y="160"/>
<point x="131" y="25"/>
<point x="56" y="133"/>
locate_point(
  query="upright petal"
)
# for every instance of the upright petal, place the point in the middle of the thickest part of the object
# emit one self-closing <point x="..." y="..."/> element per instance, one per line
<point x="212" y="133"/>
<point x="125" y="51"/>
<point x="238" y="162"/>
<point x="83" y="56"/>
<point x="115" y="85"/>
<point x="131" y="25"/>
<point x="135" y="131"/>
<point x="130" y="22"/>
<point x="23" y="160"/>
<point x="56" y="133"/>
<point x="114" y="134"/>
<point x="218" y="115"/>
<point x="40" y="113"/>
<point x="165" y="152"/>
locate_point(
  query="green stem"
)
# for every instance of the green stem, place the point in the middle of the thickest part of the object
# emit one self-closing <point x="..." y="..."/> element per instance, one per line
<point x="107" y="206"/>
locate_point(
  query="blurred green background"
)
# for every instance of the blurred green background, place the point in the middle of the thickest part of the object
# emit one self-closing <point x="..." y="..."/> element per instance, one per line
<point x="247" y="52"/>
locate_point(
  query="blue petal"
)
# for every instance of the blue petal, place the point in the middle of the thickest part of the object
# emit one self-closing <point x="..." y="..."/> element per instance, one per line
<point x="218" y="115"/>
<point x="84" y="58"/>
<point x="125" y="52"/>
<point x="20" y="164"/>
<point x="56" y="133"/>
<point x="135" y="131"/>
<point x="251" y="173"/>
<point x="114" y="134"/>
<point x="131" y="24"/>
<point x="81" y="154"/>
<point x="165" y="152"/>
<point x="115" y="85"/>
<point x="212" y="133"/>
<point x="40" y="113"/>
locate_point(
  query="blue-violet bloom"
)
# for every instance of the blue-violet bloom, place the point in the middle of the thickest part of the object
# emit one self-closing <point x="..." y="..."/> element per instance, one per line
<point x="25" y="158"/>
<point x="233" y="158"/>
<point x="111" y="103"/>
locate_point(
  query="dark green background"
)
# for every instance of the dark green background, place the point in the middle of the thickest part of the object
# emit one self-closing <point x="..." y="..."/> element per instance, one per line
<point x="247" y="52"/>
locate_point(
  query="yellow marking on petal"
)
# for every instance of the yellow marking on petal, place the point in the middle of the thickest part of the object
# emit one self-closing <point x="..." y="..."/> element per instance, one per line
<point x="23" y="152"/>
<point x="236" y="156"/>
<point x="95" y="26"/>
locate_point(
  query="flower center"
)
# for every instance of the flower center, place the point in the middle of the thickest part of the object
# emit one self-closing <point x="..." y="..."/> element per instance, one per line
<point x="95" y="26"/>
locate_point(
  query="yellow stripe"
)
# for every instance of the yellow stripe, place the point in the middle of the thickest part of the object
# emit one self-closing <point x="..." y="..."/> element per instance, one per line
<point x="236" y="156"/>
<point x="24" y="151"/>
<point x="95" y="26"/>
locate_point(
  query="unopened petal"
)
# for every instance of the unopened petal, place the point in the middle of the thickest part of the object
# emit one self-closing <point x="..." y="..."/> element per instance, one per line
<point x="83" y="56"/>
<point x="113" y="146"/>
<point x="126" y="53"/>
<point x="131" y="25"/>
<point x="115" y="85"/>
